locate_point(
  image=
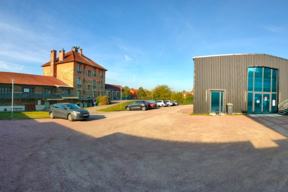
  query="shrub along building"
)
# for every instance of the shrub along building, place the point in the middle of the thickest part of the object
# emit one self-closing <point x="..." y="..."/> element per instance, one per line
<point x="72" y="77"/>
<point x="253" y="83"/>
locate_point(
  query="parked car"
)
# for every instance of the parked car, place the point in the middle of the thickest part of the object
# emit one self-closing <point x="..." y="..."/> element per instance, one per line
<point x="161" y="103"/>
<point x="151" y="105"/>
<point x="68" y="111"/>
<point x="175" y="103"/>
<point x="137" y="105"/>
<point x="152" y="101"/>
<point x="169" y="103"/>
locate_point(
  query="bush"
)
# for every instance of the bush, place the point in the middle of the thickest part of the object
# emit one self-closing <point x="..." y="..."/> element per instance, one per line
<point x="189" y="100"/>
<point x="109" y="99"/>
<point x="104" y="100"/>
<point x="98" y="99"/>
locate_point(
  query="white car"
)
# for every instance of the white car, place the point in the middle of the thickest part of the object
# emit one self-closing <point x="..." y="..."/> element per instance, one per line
<point x="169" y="103"/>
<point x="161" y="103"/>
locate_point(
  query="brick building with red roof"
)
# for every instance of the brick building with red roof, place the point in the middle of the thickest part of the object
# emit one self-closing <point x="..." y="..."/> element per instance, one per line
<point x="71" y="76"/>
<point x="74" y="68"/>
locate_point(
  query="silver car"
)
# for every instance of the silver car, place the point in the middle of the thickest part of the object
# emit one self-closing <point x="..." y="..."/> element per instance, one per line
<point x="161" y="103"/>
<point x="68" y="111"/>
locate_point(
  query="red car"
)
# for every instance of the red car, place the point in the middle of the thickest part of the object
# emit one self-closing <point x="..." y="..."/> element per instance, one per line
<point x="151" y="105"/>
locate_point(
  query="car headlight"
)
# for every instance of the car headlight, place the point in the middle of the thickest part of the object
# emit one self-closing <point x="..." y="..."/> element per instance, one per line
<point x="77" y="112"/>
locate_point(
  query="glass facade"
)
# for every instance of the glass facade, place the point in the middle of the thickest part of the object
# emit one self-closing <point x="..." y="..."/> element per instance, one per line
<point x="262" y="90"/>
<point x="267" y="80"/>
<point x="250" y="103"/>
<point x="258" y="79"/>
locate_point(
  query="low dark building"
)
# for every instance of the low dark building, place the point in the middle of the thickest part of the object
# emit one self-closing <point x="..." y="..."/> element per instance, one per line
<point x="253" y="83"/>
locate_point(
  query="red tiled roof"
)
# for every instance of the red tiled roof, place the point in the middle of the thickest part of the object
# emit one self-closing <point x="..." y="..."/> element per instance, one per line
<point x="75" y="56"/>
<point x="133" y="92"/>
<point x="188" y="91"/>
<point x="28" y="79"/>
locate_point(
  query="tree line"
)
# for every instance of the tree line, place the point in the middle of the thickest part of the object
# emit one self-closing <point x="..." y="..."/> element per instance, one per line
<point x="160" y="92"/>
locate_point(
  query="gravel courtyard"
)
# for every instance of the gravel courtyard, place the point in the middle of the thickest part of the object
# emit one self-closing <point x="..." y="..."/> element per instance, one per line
<point x="164" y="149"/>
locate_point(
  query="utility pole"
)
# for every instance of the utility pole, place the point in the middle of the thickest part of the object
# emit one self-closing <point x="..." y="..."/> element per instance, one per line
<point x="12" y="96"/>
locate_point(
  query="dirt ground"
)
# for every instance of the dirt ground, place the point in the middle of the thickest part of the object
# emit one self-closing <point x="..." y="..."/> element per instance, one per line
<point x="164" y="149"/>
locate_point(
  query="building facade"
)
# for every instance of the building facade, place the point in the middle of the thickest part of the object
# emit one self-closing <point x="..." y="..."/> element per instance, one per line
<point x="85" y="76"/>
<point x="32" y="92"/>
<point x="253" y="83"/>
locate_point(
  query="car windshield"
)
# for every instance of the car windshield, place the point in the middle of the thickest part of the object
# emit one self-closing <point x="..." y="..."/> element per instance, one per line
<point x="72" y="106"/>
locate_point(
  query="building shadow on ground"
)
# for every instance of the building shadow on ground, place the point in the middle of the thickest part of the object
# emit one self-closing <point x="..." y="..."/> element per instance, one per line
<point x="50" y="157"/>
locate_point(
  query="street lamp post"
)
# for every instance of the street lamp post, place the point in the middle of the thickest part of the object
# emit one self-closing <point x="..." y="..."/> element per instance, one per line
<point x="12" y="96"/>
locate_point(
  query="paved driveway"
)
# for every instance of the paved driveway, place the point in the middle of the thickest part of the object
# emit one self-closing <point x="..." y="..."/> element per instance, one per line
<point x="157" y="150"/>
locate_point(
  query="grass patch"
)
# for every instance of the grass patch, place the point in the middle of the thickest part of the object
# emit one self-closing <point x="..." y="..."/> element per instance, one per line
<point x="24" y="115"/>
<point x="116" y="107"/>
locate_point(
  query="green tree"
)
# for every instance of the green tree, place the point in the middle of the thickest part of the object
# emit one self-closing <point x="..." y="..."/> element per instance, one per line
<point x="178" y="96"/>
<point x="162" y="92"/>
<point x="141" y="92"/>
<point x="126" y="91"/>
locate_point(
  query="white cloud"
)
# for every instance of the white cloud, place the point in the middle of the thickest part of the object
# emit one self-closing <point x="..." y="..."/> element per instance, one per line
<point x="273" y="29"/>
<point x="127" y="58"/>
<point x="10" y="67"/>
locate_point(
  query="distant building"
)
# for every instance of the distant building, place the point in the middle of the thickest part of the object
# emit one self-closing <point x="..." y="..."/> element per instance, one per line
<point x="113" y="91"/>
<point x="134" y="93"/>
<point x="191" y="92"/>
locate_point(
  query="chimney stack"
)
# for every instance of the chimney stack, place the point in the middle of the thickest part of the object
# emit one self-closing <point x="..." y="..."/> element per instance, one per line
<point x="81" y="51"/>
<point x="52" y="63"/>
<point x="61" y="55"/>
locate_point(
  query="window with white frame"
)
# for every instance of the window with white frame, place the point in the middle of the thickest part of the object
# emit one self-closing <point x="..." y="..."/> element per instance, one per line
<point x="89" y="73"/>
<point x="79" y="67"/>
<point x="101" y="74"/>
<point x="93" y="94"/>
<point x="88" y="88"/>
<point x="101" y="85"/>
<point x="78" y="94"/>
<point x="100" y="93"/>
<point x="94" y="71"/>
<point x="79" y="81"/>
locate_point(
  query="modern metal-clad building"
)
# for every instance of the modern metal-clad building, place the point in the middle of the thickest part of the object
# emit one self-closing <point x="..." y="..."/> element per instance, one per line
<point x="253" y="83"/>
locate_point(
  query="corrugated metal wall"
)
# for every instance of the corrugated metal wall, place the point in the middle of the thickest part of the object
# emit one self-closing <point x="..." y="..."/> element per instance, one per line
<point x="229" y="73"/>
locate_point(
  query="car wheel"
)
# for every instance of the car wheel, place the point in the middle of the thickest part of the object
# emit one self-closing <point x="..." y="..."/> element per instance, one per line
<point x="70" y="118"/>
<point x="143" y="108"/>
<point x="51" y="115"/>
<point x="128" y="108"/>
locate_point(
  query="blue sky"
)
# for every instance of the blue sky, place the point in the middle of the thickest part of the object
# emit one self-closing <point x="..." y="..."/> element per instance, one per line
<point x="141" y="43"/>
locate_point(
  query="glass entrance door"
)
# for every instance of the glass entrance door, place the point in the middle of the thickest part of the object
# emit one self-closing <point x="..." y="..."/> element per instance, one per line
<point x="266" y="103"/>
<point x="216" y="102"/>
<point x="258" y="103"/>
